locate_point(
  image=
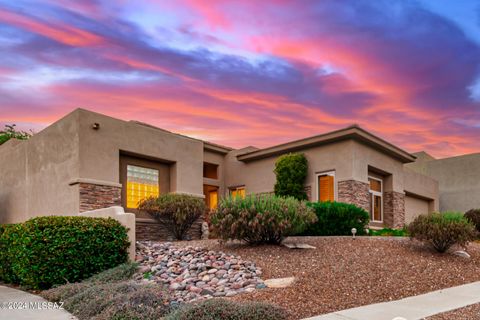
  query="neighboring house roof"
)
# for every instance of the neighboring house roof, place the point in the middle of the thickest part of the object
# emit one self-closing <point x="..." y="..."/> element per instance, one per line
<point x="352" y="132"/>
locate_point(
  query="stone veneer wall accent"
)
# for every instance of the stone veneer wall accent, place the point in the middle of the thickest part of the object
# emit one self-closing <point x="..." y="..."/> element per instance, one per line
<point x="157" y="231"/>
<point x="394" y="209"/>
<point x="354" y="192"/>
<point x="94" y="196"/>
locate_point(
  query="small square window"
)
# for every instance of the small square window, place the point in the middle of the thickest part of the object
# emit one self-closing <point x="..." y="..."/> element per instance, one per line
<point x="210" y="170"/>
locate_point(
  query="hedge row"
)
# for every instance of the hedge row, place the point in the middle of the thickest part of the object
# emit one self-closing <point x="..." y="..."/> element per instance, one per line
<point x="45" y="251"/>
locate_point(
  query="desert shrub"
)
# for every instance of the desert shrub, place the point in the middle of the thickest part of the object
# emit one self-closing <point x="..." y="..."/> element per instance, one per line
<point x="337" y="218"/>
<point x="228" y="310"/>
<point x="63" y="292"/>
<point x="442" y="230"/>
<point x="291" y="170"/>
<point x="387" y="232"/>
<point x="261" y="218"/>
<point x="8" y="243"/>
<point x="177" y="211"/>
<point x="119" y="300"/>
<point x="54" y="250"/>
<point x="119" y="273"/>
<point x="473" y="216"/>
<point x="149" y="302"/>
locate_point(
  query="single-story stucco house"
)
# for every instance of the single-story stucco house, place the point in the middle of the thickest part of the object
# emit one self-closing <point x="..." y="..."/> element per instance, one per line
<point x="87" y="161"/>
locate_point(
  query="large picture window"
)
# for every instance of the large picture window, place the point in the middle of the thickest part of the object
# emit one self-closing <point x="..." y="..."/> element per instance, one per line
<point x="326" y="186"/>
<point x="141" y="183"/>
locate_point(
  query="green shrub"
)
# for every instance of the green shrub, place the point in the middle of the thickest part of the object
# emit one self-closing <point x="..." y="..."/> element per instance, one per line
<point x="336" y="219"/>
<point x="54" y="250"/>
<point x="291" y="171"/>
<point x="442" y="230"/>
<point x="119" y="273"/>
<point x="177" y="211"/>
<point x="215" y="309"/>
<point x="473" y="216"/>
<point x="260" y="218"/>
<point x="387" y="232"/>
<point x="9" y="235"/>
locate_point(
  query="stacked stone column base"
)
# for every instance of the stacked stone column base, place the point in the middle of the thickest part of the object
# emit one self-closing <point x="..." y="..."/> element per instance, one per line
<point x="354" y="192"/>
<point x="394" y="209"/>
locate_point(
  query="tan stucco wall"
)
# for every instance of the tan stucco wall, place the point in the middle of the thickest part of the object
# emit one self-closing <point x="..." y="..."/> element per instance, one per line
<point x="458" y="178"/>
<point x="218" y="159"/>
<point x="35" y="173"/>
<point x="100" y="151"/>
<point x="258" y="175"/>
<point x="366" y="158"/>
<point x="415" y="206"/>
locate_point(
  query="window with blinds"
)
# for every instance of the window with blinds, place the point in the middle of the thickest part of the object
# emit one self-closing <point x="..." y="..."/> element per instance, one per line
<point x="326" y="187"/>
<point x="141" y="183"/>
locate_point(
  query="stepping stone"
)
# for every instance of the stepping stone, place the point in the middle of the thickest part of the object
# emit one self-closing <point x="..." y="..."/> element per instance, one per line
<point x="279" y="282"/>
<point x="298" y="246"/>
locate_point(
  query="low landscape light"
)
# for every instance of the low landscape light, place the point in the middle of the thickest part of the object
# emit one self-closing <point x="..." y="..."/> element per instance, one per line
<point x="354" y="232"/>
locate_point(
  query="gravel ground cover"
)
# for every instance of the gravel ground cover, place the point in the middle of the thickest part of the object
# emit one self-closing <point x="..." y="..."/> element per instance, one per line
<point x="343" y="273"/>
<point x="468" y="313"/>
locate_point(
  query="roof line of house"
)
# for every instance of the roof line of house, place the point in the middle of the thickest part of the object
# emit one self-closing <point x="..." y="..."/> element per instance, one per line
<point x="352" y="132"/>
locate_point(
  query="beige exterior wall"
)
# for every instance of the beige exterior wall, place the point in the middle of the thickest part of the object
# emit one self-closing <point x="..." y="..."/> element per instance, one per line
<point x="218" y="159"/>
<point x="415" y="206"/>
<point x="458" y="178"/>
<point x="44" y="173"/>
<point x="35" y="173"/>
<point x="258" y="175"/>
<point x="100" y="151"/>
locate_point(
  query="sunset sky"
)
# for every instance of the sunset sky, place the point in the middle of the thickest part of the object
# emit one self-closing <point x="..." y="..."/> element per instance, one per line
<point x="244" y="73"/>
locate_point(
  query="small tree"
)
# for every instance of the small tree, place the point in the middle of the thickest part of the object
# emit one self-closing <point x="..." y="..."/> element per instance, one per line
<point x="10" y="132"/>
<point x="177" y="211"/>
<point x="291" y="171"/>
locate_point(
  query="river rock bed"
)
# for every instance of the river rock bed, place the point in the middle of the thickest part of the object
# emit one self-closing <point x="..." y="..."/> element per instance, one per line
<point x="194" y="273"/>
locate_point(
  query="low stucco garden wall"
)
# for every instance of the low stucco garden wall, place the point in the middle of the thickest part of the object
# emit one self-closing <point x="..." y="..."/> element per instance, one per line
<point x="126" y="219"/>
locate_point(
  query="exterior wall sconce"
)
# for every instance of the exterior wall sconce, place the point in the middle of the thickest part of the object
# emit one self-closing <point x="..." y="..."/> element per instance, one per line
<point x="96" y="126"/>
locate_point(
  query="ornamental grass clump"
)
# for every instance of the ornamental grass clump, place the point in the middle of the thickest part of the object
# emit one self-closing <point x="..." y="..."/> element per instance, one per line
<point x="442" y="230"/>
<point x="177" y="212"/>
<point x="258" y="219"/>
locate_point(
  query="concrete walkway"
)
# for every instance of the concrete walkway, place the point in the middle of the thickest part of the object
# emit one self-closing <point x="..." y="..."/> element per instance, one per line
<point x="28" y="306"/>
<point x="412" y="308"/>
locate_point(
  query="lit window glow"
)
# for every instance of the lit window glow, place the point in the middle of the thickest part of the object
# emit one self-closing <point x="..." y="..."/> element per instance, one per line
<point x="141" y="183"/>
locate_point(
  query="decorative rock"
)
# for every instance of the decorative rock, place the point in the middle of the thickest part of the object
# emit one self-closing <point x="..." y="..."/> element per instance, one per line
<point x="298" y="246"/>
<point x="193" y="274"/>
<point x="279" y="282"/>
<point x="462" y="254"/>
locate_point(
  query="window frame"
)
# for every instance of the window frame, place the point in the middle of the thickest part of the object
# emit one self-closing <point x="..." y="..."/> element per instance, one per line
<point x="378" y="194"/>
<point x="317" y="187"/>
<point x="205" y="163"/>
